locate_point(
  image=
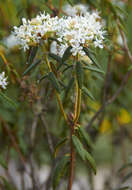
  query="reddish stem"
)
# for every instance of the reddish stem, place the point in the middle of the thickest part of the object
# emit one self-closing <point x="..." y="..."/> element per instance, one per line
<point x="72" y="160"/>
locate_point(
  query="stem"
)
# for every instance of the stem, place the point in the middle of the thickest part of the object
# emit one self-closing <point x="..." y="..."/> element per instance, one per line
<point x="58" y="97"/>
<point x="61" y="107"/>
<point x="60" y="6"/>
<point x="72" y="161"/>
<point x="76" y="117"/>
<point x="77" y="103"/>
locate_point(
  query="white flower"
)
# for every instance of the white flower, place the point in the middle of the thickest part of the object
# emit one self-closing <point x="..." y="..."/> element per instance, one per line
<point x="32" y="31"/>
<point x="81" y="30"/>
<point x="84" y="29"/>
<point x="3" y="80"/>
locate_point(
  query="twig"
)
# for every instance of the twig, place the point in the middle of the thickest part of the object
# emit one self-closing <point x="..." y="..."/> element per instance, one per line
<point x="106" y="86"/>
<point x="125" y="44"/>
<point x="60" y="6"/>
<point x="14" y="143"/>
<point x="33" y="129"/>
<point x="32" y="138"/>
<point x="75" y="120"/>
<point x="51" y="147"/>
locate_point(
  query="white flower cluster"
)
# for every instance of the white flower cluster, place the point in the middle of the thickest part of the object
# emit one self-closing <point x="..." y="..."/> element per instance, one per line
<point x="3" y="80"/>
<point x="32" y="31"/>
<point x="77" y="32"/>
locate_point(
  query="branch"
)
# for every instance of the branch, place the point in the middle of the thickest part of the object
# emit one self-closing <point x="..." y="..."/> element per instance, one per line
<point x="51" y="147"/>
<point x="125" y="44"/>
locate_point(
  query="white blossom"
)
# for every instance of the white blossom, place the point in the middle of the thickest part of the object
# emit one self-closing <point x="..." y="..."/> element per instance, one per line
<point x="3" y="80"/>
<point x="82" y="30"/>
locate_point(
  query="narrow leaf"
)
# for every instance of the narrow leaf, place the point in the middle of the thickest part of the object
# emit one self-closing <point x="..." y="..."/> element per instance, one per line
<point x="69" y="86"/>
<point x="31" y="67"/>
<point x="90" y="54"/>
<point x="67" y="54"/>
<point x="85" y="136"/>
<point x="59" y="145"/>
<point x="91" y="161"/>
<point x="59" y="171"/>
<point x="88" y="93"/>
<point x="42" y="78"/>
<point x="79" y="147"/>
<point x="32" y="54"/>
<point x="54" y="81"/>
<point x="55" y="57"/>
<point x="79" y="74"/>
<point x="8" y="100"/>
<point x="67" y="68"/>
<point x="94" y="69"/>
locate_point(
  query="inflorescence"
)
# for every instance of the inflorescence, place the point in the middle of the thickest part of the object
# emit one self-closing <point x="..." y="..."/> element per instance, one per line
<point x="84" y="29"/>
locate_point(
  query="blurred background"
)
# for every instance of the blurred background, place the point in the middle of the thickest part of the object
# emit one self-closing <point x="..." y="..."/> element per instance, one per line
<point x="30" y="122"/>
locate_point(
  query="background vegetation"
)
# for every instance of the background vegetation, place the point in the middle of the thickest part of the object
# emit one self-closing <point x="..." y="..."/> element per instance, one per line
<point x="31" y="125"/>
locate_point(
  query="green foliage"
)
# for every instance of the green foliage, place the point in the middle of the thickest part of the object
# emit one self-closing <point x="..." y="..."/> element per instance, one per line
<point x="60" y="170"/>
<point x="79" y="74"/>
<point x="109" y="137"/>
<point x="66" y="54"/>
<point x="54" y="81"/>
<point x="7" y="100"/>
<point x="88" y="93"/>
<point x="31" y="67"/>
<point x="83" y="153"/>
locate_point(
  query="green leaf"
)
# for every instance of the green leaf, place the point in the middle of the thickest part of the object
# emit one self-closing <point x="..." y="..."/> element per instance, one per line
<point x="31" y="67"/>
<point x="8" y="100"/>
<point x="88" y="93"/>
<point x="94" y="69"/>
<point x="54" y="81"/>
<point x="83" y="153"/>
<point x="67" y="68"/>
<point x="79" y="74"/>
<point x="56" y="57"/>
<point x="59" y="145"/>
<point x="90" y="54"/>
<point x="69" y="86"/>
<point x="67" y="54"/>
<point x="70" y="2"/>
<point x="59" y="171"/>
<point x="91" y="161"/>
<point x="85" y="136"/>
<point x="79" y="147"/>
<point x="121" y="10"/>
<point x="32" y="54"/>
<point x="42" y="78"/>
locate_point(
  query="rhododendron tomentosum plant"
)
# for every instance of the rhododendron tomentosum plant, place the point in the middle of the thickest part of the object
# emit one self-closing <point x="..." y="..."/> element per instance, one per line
<point x="67" y="41"/>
